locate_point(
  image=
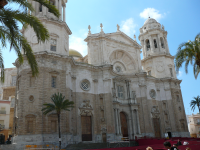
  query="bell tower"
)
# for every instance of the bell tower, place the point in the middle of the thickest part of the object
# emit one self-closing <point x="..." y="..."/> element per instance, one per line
<point x="58" y="30"/>
<point x="157" y="60"/>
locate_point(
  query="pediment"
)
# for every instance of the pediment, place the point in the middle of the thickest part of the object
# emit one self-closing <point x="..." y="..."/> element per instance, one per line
<point x="122" y="37"/>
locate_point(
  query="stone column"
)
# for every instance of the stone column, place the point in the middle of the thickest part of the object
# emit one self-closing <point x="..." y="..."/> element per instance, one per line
<point x="133" y="124"/>
<point x="166" y="44"/>
<point x="138" y="124"/>
<point x="64" y="13"/>
<point x="33" y="4"/>
<point x="151" y="44"/>
<point x="56" y="4"/>
<point x="44" y="10"/>
<point x="130" y="128"/>
<point x="119" y="122"/>
<point x="144" y="48"/>
<point x="116" y="120"/>
<point x="60" y="8"/>
<point x="159" y="43"/>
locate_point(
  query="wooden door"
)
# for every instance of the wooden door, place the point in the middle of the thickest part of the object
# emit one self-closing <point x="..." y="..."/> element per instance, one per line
<point x="104" y="137"/>
<point x="156" y="123"/>
<point x="86" y="124"/>
<point x="124" y="126"/>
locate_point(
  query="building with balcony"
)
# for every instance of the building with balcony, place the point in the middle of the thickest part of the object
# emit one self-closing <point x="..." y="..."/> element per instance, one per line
<point x="7" y="102"/>
<point x="194" y="125"/>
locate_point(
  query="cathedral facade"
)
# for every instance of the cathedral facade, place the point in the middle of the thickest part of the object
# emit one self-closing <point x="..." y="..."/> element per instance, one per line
<point x="115" y="93"/>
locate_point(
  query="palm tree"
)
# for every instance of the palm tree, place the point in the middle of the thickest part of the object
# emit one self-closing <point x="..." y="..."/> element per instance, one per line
<point x="195" y="102"/>
<point x="189" y="52"/>
<point x="10" y="32"/>
<point x="59" y="104"/>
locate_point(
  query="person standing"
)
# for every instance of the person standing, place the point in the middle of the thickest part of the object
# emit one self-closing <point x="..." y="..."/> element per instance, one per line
<point x="168" y="146"/>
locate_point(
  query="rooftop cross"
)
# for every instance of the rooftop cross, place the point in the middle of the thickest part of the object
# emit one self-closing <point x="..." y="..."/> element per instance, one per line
<point x="135" y="37"/>
<point x="89" y="27"/>
<point x="101" y="25"/>
<point x="118" y="27"/>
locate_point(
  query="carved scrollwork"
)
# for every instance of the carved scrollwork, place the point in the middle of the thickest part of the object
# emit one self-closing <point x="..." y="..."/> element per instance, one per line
<point x="155" y="112"/>
<point x="86" y="108"/>
<point x="86" y="113"/>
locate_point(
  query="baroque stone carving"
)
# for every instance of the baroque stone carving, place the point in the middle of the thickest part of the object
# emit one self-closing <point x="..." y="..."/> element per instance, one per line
<point x="160" y="66"/>
<point x="152" y="93"/>
<point x="86" y="108"/>
<point x="86" y="104"/>
<point x="103" y="130"/>
<point x="86" y="113"/>
<point x="133" y="95"/>
<point x="155" y="112"/>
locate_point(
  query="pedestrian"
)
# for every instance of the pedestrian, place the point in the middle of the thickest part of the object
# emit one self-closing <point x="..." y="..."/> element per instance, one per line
<point x="179" y="143"/>
<point x="168" y="146"/>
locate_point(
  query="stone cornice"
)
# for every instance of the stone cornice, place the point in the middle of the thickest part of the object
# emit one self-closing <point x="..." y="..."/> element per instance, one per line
<point x="158" y="55"/>
<point x="105" y="36"/>
<point x="67" y="59"/>
<point x="56" y="22"/>
<point x="149" y="30"/>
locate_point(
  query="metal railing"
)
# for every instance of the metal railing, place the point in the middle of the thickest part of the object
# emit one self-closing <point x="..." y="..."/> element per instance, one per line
<point x="2" y="112"/>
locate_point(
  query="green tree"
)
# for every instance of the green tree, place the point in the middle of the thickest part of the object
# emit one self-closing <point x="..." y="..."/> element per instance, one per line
<point x="195" y="102"/>
<point x="10" y="31"/>
<point x="189" y="52"/>
<point x="59" y="104"/>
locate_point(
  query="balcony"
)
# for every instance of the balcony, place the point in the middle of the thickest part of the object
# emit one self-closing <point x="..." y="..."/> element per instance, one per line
<point x="2" y="112"/>
<point x="2" y="127"/>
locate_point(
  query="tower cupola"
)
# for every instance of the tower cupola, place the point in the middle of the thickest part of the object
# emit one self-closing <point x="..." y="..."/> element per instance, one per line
<point x="153" y="38"/>
<point x="157" y="60"/>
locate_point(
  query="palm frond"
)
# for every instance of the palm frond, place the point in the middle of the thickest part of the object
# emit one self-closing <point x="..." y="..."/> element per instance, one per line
<point x="2" y="67"/>
<point x="51" y="8"/>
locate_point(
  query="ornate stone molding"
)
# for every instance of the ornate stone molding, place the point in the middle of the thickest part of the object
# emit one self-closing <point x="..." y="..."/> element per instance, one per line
<point x="155" y="112"/>
<point x="86" y="108"/>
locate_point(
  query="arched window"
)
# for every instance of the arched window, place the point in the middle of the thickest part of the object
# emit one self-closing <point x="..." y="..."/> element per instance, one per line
<point x="162" y="42"/>
<point x="40" y="8"/>
<point x="52" y="2"/>
<point x="148" y="45"/>
<point x="155" y="43"/>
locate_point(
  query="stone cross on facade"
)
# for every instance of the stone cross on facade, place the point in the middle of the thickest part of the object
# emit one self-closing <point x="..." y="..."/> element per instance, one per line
<point x="89" y="27"/>
<point x="101" y="25"/>
<point x="118" y="27"/>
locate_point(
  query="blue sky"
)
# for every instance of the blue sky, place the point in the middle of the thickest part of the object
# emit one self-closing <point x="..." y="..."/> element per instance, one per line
<point x="180" y="18"/>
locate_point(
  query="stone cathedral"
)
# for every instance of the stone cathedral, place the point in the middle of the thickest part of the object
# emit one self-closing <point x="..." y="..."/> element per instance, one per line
<point x="115" y="93"/>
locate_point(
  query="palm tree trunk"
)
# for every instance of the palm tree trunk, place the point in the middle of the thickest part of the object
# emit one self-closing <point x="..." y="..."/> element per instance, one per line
<point x="59" y="131"/>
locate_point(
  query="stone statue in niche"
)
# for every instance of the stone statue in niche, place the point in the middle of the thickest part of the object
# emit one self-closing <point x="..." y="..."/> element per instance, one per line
<point x="155" y="112"/>
<point x="86" y="104"/>
<point x="179" y="108"/>
<point x="114" y="92"/>
<point x="133" y="95"/>
<point x="152" y="93"/>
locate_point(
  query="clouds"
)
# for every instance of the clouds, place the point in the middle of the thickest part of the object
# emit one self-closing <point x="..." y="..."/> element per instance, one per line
<point x="151" y="12"/>
<point x="78" y="43"/>
<point x="180" y="73"/>
<point x="128" y="26"/>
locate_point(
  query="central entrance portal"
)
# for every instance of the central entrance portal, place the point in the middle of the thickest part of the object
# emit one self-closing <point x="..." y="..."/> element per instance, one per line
<point x="86" y="123"/>
<point x="124" y="126"/>
<point x="156" y="123"/>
